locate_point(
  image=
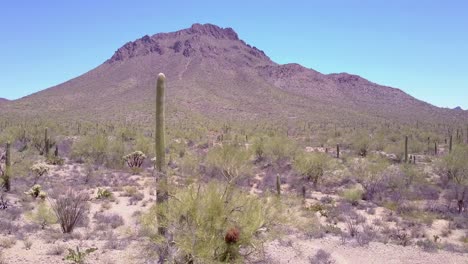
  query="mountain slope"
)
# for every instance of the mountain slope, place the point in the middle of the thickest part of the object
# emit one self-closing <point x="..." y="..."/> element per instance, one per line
<point x="214" y="73"/>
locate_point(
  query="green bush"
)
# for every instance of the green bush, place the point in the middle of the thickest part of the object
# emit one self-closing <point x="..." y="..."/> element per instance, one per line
<point x="231" y="160"/>
<point x="44" y="216"/>
<point x="353" y="195"/>
<point x="279" y="148"/>
<point x="312" y="166"/>
<point x="91" y="147"/>
<point x="210" y="223"/>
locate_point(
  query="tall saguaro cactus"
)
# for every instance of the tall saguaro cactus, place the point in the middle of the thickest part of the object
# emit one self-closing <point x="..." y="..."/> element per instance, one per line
<point x="46" y="142"/>
<point x="162" y="192"/>
<point x="7" y="172"/>
<point x="450" y="144"/>
<point x="406" y="149"/>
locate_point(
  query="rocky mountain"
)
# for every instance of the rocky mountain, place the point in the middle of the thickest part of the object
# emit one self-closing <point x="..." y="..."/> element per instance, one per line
<point x="213" y="73"/>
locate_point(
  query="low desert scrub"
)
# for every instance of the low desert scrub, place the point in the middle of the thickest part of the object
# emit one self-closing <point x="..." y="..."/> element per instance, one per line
<point x="7" y="242"/>
<point x="43" y="215"/>
<point x="56" y="250"/>
<point x="230" y="160"/>
<point x="108" y="220"/>
<point x="279" y="149"/>
<point x="69" y="208"/>
<point x="352" y="195"/>
<point x="133" y="193"/>
<point x="27" y="243"/>
<point x="312" y="166"/>
<point x="321" y="257"/>
<point x="212" y="222"/>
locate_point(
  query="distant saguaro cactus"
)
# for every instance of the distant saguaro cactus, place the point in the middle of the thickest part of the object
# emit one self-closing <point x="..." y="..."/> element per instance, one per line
<point x="278" y="184"/>
<point x="406" y="149"/>
<point x="435" y="148"/>
<point x="337" y="151"/>
<point x="46" y="142"/>
<point x="450" y="144"/>
<point x="7" y="172"/>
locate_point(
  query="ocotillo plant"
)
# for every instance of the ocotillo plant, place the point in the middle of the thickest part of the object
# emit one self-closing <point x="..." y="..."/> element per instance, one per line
<point x="162" y="192"/>
<point x="7" y="172"/>
<point x="406" y="149"/>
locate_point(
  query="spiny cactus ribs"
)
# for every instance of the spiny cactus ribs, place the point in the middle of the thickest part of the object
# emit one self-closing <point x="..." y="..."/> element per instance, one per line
<point x="232" y="236"/>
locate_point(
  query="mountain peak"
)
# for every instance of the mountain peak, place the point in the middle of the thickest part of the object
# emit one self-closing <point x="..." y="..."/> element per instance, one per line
<point x="213" y="31"/>
<point x="204" y="39"/>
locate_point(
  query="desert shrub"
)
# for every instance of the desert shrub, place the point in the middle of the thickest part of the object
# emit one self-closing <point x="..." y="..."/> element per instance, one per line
<point x="455" y="166"/>
<point x="258" y="148"/>
<point x="427" y="245"/>
<point x="312" y="166"/>
<point x="212" y="222"/>
<point x="8" y="227"/>
<point x="321" y="257"/>
<point x="230" y="160"/>
<point x="56" y="250"/>
<point x="279" y="148"/>
<point x="189" y="165"/>
<point x="133" y="193"/>
<point x="360" y="144"/>
<point x="27" y="243"/>
<point x="7" y="242"/>
<point x="43" y="215"/>
<point x="111" y="220"/>
<point x="353" y="195"/>
<point x="370" y="174"/>
<point x="91" y="147"/>
<point x="145" y="144"/>
<point x="69" y="208"/>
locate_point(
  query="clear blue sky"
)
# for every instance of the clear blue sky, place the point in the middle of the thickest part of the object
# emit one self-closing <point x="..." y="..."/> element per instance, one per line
<point x="418" y="46"/>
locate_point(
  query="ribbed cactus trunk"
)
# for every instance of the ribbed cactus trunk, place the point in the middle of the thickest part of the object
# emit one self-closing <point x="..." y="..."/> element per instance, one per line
<point x="406" y="149"/>
<point x="7" y="172"/>
<point x="450" y="144"/>
<point x="46" y="142"/>
<point x="278" y="185"/>
<point x="162" y="192"/>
